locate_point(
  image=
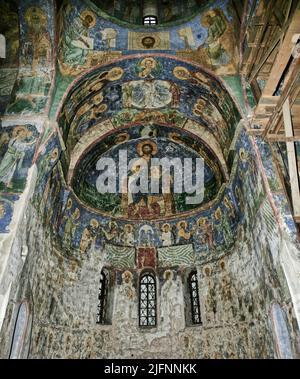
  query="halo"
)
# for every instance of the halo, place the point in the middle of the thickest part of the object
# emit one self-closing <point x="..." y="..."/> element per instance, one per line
<point x="127" y="273"/>
<point x="69" y="204"/>
<point x="147" y="142"/>
<point x="19" y="128"/>
<point x="39" y="12"/>
<point x="77" y="211"/>
<point x="169" y="272"/>
<point x="181" y="73"/>
<point x="143" y="62"/>
<point x="162" y="228"/>
<point x="227" y="202"/>
<point x="202" y="221"/>
<point x="96" y="86"/>
<point x="94" y="222"/>
<point x="182" y="222"/>
<point x="124" y="136"/>
<point x="129" y="226"/>
<point x="204" y="18"/>
<point x="98" y="98"/>
<point x="101" y="108"/>
<point x="218" y="214"/>
<point x="175" y="137"/>
<point x="54" y="152"/>
<point x="243" y="155"/>
<point x="114" y="74"/>
<point x="86" y="13"/>
<point x="207" y="269"/>
<point x="112" y="223"/>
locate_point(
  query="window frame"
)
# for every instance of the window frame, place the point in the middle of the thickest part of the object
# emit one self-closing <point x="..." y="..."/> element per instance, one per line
<point x="150" y="20"/>
<point x="194" y="297"/>
<point x="153" y="276"/>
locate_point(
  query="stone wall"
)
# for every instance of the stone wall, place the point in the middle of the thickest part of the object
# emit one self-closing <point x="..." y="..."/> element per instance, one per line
<point x="237" y="293"/>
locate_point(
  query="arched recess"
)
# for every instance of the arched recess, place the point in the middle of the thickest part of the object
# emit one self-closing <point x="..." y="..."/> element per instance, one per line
<point x="21" y="336"/>
<point x="281" y="333"/>
<point x="143" y="90"/>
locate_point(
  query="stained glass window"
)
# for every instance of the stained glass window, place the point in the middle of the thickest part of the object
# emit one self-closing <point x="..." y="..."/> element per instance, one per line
<point x="150" y="20"/>
<point x="147" y="308"/>
<point x="103" y="294"/>
<point x="195" y="302"/>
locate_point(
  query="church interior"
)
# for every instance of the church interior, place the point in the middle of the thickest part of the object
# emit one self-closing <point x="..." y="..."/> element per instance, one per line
<point x="86" y="274"/>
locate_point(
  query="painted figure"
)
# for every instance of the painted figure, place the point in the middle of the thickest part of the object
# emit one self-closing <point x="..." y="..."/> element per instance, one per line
<point x="77" y="43"/>
<point x="89" y="236"/>
<point x="166" y="235"/>
<point x="183" y="236"/>
<point x="70" y="228"/>
<point x="15" y="154"/>
<point x="127" y="236"/>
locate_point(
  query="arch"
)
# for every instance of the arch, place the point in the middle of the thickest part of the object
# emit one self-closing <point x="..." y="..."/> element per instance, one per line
<point x="94" y="81"/>
<point x="147" y="300"/>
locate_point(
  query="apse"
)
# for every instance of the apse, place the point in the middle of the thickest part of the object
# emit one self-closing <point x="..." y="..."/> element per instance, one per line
<point x="153" y="95"/>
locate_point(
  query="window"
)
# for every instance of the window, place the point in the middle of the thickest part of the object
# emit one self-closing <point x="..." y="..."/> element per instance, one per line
<point x="150" y="20"/>
<point x="194" y="294"/>
<point x="2" y="46"/>
<point x="103" y="295"/>
<point x="22" y="331"/>
<point x="147" y="300"/>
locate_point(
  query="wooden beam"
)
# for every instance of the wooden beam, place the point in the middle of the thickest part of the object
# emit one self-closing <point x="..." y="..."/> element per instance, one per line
<point x="293" y="169"/>
<point x="290" y="84"/>
<point x="259" y="37"/>
<point x="284" y="55"/>
<point x="281" y="138"/>
<point x="265" y="57"/>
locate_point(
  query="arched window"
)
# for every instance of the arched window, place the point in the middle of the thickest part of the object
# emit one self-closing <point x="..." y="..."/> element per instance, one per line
<point x="21" y="334"/>
<point x="150" y="20"/>
<point x="147" y="300"/>
<point x="103" y="298"/>
<point x="195" y="302"/>
<point x="2" y="46"/>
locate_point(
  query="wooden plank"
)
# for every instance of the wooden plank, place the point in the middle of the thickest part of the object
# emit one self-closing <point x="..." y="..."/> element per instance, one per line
<point x="291" y="152"/>
<point x="290" y="84"/>
<point x="281" y="138"/>
<point x="284" y="55"/>
<point x="259" y="37"/>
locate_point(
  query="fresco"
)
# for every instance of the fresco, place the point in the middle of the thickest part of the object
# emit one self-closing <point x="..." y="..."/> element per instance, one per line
<point x="167" y="142"/>
<point x="90" y="37"/>
<point x="219" y="51"/>
<point x="78" y="49"/>
<point x="210" y="231"/>
<point x="16" y="155"/>
<point x="9" y="27"/>
<point x="140" y="84"/>
<point x="31" y="89"/>
<point x="6" y="211"/>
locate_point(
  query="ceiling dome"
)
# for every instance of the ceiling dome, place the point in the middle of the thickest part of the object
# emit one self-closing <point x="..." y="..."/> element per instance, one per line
<point x="167" y="11"/>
